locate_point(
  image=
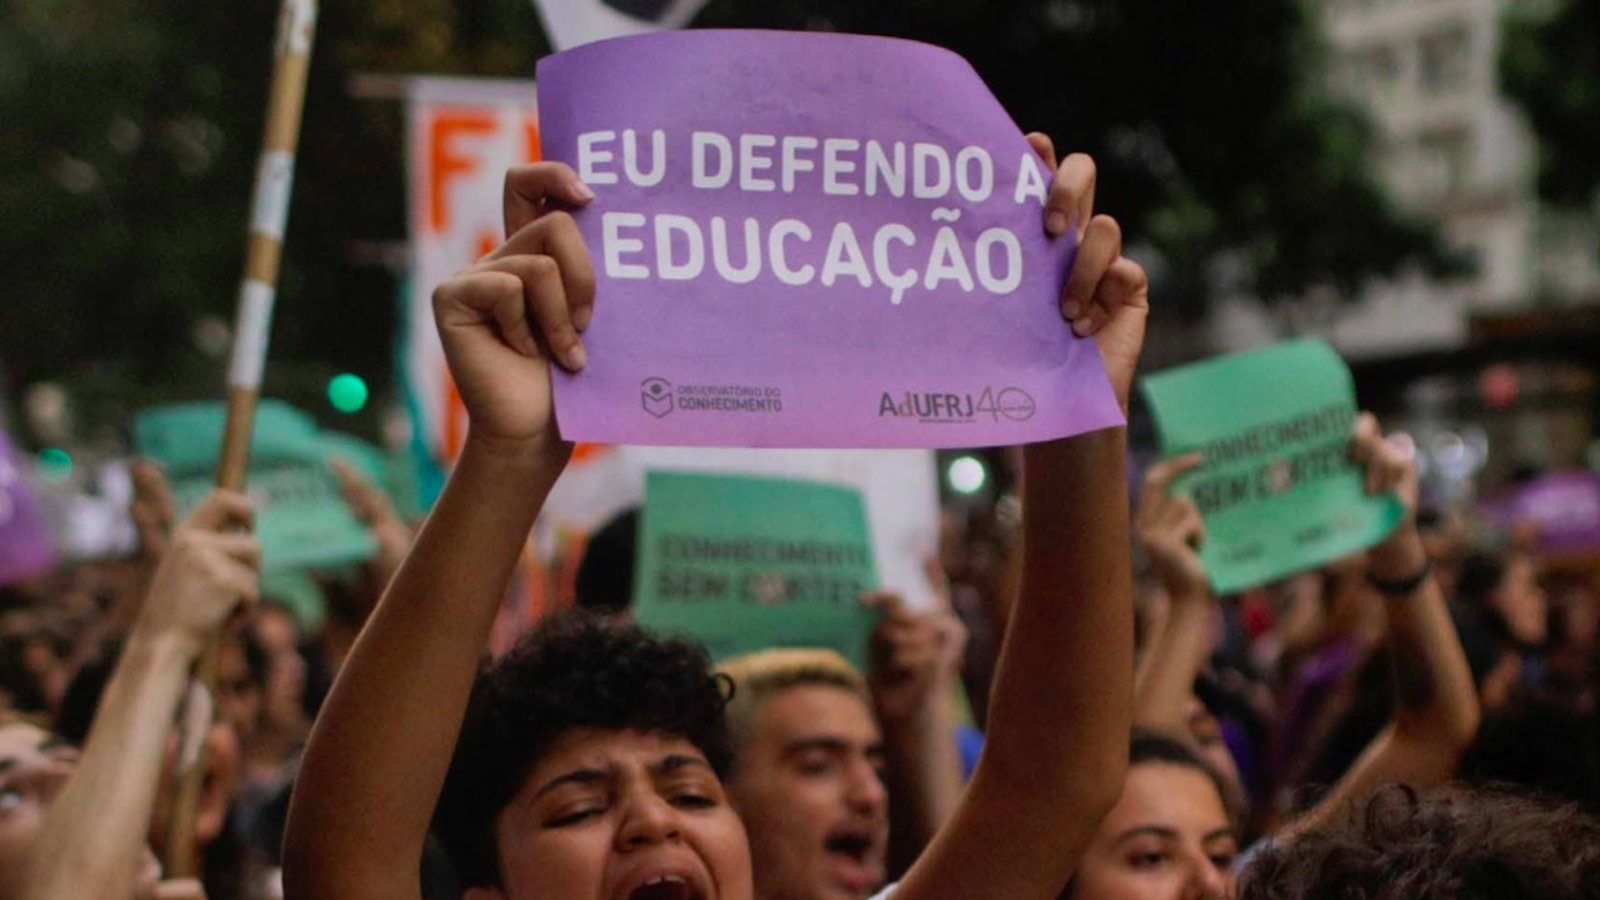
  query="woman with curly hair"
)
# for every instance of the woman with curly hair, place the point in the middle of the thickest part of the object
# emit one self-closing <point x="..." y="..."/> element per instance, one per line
<point x="1455" y="843"/>
<point x="603" y="784"/>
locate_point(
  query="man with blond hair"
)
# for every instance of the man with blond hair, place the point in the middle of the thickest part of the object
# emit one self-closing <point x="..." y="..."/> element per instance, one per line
<point x="820" y="750"/>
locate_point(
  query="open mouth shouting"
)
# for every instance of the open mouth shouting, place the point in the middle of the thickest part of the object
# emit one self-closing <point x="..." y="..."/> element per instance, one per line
<point x="855" y="858"/>
<point x="667" y="885"/>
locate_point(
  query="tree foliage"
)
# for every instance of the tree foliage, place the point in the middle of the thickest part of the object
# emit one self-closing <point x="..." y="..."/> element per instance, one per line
<point x="1550" y="65"/>
<point x="131" y="133"/>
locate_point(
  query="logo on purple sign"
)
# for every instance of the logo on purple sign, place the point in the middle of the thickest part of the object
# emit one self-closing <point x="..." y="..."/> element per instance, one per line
<point x="656" y="394"/>
<point x="1014" y="404"/>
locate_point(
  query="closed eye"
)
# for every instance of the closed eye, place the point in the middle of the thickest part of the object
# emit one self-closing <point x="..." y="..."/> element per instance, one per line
<point x="693" y="801"/>
<point x="573" y="817"/>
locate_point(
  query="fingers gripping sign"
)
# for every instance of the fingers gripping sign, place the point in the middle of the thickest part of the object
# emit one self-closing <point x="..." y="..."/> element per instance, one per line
<point x="503" y="319"/>
<point x="1386" y="467"/>
<point x="1107" y="295"/>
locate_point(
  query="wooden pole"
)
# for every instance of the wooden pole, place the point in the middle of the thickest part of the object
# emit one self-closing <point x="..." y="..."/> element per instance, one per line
<point x="269" y="213"/>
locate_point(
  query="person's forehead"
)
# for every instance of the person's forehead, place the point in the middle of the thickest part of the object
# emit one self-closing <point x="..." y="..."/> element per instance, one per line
<point x="1168" y="795"/>
<point x="606" y="749"/>
<point x="816" y="711"/>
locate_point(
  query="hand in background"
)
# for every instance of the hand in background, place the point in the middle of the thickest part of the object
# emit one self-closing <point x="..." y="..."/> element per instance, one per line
<point x="208" y="570"/>
<point x="1170" y="530"/>
<point x="152" y="509"/>
<point x="372" y="508"/>
<point x="913" y="655"/>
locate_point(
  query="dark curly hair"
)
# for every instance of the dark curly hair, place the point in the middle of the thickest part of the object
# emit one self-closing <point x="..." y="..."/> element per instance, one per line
<point x="1454" y="844"/>
<point x="574" y="671"/>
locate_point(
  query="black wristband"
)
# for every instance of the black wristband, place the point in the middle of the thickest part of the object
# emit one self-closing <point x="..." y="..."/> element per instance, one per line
<point x="1401" y="587"/>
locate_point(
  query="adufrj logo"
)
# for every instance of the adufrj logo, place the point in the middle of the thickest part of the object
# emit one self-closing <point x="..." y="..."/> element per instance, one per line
<point x="656" y="395"/>
<point x="1010" y="403"/>
<point x="646" y="10"/>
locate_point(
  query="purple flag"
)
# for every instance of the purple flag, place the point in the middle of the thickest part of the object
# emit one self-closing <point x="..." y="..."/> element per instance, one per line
<point x="25" y="547"/>
<point x="811" y="240"/>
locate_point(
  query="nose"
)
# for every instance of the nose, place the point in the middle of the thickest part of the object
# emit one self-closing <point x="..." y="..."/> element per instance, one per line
<point x="1206" y="882"/>
<point x="866" y="790"/>
<point x="649" y="821"/>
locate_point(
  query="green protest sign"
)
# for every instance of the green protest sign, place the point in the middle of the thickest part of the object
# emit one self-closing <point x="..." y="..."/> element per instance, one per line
<point x="1277" y="489"/>
<point x="742" y="564"/>
<point x="301" y="518"/>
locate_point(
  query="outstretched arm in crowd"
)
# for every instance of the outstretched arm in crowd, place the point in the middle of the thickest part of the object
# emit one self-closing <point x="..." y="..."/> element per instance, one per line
<point x="373" y="509"/>
<point x="916" y="665"/>
<point x="94" y="836"/>
<point x="1170" y="531"/>
<point x="379" y="752"/>
<point x="1061" y="711"/>
<point x="1436" y="706"/>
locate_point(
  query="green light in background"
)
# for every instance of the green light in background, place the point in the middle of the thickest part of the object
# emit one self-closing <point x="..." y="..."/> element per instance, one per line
<point x="347" y="393"/>
<point x="55" y="464"/>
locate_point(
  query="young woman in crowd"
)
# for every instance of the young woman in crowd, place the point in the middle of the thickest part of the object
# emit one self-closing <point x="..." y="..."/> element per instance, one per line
<point x="617" y="806"/>
<point x="1436" y="710"/>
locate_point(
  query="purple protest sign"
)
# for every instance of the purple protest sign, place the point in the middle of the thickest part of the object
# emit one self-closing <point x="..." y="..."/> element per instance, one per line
<point x="25" y="547"/>
<point x="811" y="240"/>
<point x="1566" y="509"/>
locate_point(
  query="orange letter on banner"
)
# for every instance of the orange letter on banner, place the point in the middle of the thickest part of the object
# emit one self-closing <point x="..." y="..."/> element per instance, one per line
<point x="455" y="412"/>
<point x="442" y="163"/>
<point x="531" y="128"/>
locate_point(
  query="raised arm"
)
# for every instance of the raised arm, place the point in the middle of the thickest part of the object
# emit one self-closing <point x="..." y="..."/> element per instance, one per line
<point x="1061" y="710"/>
<point x="916" y="666"/>
<point x="1436" y="705"/>
<point x="373" y="509"/>
<point x="93" y="839"/>
<point x="1170" y="531"/>
<point x="379" y="751"/>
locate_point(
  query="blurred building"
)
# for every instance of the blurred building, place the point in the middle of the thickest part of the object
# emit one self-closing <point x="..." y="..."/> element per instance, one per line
<point x="1504" y="356"/>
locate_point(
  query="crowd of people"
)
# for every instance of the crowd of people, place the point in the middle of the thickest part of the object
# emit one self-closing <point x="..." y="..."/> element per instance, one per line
<point x="1417" y="720"/>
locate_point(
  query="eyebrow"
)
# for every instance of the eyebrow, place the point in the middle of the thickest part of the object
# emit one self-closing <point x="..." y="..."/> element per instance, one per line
<point x="1155" y="830"/>
<point x="678" y="761"/>
<point x="833" y="744"/>
<point x="578" y="776"/>
<point x="1171" y="834"/>
<point x="590" y="776"/>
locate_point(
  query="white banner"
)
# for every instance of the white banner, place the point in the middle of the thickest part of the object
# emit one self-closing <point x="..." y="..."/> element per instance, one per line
<point x="464" y="135"/>
<point x="569" y="23"/>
